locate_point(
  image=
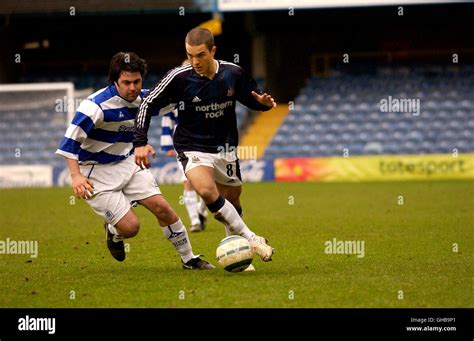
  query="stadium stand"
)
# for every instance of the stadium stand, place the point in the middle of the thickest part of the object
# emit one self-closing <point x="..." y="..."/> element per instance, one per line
<point x="330" y="114"/>
<point x="344" y="112"/>
<point x="30" y="133"/>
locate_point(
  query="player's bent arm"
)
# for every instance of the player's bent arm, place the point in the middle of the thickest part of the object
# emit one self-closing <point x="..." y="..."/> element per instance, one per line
<point x="264" y="99"/>
<point x="82" y="186"/>
<point x="141" y="155"/>
<point x="249" y="94"/>
<point x="157" y="100"/>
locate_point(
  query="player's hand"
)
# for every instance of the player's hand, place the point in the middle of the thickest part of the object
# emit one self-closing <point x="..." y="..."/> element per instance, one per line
<point x="265" y="99"/>
<point x="171" y="152"/>
<point x="141" y="156"/>
<point x="82" y="186"/>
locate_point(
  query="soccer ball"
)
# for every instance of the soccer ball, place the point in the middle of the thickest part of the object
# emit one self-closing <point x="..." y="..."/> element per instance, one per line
<point x="234" y="253"/>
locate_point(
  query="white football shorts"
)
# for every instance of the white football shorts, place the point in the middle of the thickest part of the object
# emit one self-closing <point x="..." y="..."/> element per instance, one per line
<point x="183" y="176"/>
<point x="117" y="186"/>
<point x="226" y="165"/>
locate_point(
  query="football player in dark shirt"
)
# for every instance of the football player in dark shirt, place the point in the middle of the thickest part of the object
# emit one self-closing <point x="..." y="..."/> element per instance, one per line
<point x="205" y="93"/>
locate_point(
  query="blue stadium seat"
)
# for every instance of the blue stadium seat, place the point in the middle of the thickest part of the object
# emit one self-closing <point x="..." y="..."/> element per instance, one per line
<point x="345" y="109"/>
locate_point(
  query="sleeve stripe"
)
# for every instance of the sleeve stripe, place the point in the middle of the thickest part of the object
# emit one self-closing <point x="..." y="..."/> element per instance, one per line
<point x="167" y="109"/>
<point x="67" y="155"/>
<point x="228" y="63"/>
<point x="91" y="109"/>
<point x="75" y="132"/>
<point x="70" y="146"/>
<point x="83" y="121"/>
<point x="156" y="92"/>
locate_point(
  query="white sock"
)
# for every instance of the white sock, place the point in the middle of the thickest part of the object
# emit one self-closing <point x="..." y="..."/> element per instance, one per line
<point x="117" y="237"/>
<point x="234" y="223"/>
<point x="191" y="202"/>
<point x="227" y="231"/>
<point x="178" y="236"/>
<point x="202" y="208"/>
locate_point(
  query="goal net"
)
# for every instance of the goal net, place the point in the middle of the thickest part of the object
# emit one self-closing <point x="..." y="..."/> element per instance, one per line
<point x="33" y="117"/>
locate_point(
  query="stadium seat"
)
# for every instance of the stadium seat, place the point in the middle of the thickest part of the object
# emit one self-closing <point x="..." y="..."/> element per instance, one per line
<point x="345" y="109"/>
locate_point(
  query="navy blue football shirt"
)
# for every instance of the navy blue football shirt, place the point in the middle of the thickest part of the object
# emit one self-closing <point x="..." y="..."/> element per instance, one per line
<point x="206" y="108"/>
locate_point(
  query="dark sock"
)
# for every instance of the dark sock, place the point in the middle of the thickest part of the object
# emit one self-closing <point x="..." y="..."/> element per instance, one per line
<point x="216" y="205"/>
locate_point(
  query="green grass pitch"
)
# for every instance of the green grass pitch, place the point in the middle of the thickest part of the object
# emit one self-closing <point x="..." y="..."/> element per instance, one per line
<point x="417" y="255"/>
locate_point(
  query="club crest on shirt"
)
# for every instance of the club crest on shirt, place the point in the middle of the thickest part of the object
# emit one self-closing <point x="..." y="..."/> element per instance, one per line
<point x="230" y="92"/>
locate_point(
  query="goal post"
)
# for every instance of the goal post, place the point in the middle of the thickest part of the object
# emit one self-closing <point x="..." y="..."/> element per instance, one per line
<point x="65" y="88"/>
<point x="33" y="119"/>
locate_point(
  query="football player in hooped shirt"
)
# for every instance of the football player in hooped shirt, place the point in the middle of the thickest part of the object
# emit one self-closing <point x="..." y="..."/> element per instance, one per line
<point x="97" y="147"/>
<point x="205" y="92"/>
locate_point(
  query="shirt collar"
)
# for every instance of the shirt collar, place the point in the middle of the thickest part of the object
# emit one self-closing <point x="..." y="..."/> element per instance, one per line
<point x="113" y="90"/>
<point x="217" y="68"/>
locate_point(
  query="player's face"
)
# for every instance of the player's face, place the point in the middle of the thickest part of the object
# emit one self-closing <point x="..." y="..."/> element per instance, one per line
<point x="201" y="59"/>
<point x="129" y="85"/>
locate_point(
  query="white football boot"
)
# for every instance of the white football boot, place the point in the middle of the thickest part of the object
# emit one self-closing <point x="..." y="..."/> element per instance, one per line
<point x="260" y="247"/>
<point x="250" y="268"/>
<point x="196" y="228"/>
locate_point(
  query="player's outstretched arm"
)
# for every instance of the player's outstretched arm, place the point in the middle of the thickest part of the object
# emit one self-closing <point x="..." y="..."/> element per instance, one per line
<point x="141" y="156"/>
<point x="265" y="99"/>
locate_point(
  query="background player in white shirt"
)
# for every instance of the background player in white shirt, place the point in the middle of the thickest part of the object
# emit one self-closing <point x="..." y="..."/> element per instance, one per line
<point x="99" y="154"/>
<point x="195" y="206"/>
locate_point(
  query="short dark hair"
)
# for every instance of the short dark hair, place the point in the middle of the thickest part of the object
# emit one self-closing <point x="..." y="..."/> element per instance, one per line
<point x="126" y="61"/>
<point x="198" y="36"/>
